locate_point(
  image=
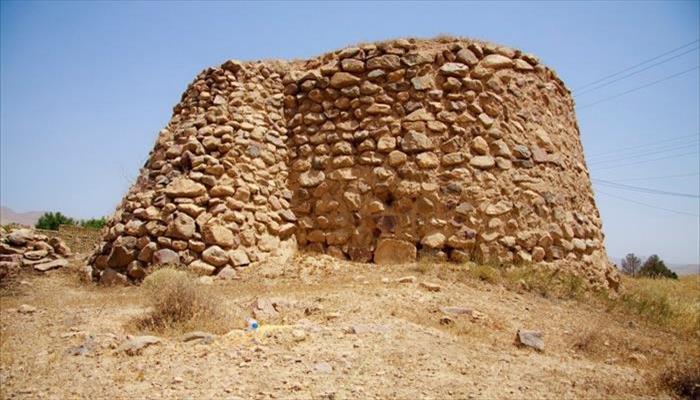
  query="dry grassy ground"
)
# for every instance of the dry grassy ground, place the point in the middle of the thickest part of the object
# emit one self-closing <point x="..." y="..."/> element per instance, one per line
<point x="344" y="331"/>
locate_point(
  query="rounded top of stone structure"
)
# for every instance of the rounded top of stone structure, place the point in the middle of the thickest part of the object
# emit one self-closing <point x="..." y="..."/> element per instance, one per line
<point x="415" y="50"/>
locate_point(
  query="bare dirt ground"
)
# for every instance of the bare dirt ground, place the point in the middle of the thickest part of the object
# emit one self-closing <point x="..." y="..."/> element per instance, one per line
<point x="336" y="330"/>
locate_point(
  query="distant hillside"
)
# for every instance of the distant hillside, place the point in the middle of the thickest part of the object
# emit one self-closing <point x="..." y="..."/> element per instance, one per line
<point x="680" y="269"/>
<point x="685" y="269"/>
<point x="7" y="216"/>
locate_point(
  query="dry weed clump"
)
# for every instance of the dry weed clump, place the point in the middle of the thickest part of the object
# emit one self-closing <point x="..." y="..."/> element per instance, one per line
<point x="468" y="329"/>
<point x="483" y="272"/>
<point x="9" y="280"/>
<point x="180" y="304"/>
<point x="593" y="338"/>
<point x="426" y="264"/>
<point x="545" y="282"/>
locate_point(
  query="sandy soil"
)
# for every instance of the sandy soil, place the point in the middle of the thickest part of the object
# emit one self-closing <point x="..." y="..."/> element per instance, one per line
<point x="336" y="331"/>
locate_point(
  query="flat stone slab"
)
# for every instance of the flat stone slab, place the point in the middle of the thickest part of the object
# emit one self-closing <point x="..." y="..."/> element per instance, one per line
<point x="31" y="263"/>
<point x="43" y="267"/>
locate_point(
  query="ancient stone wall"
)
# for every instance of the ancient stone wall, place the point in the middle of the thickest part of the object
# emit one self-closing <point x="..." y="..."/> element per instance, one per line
<point x="382" y="152"/>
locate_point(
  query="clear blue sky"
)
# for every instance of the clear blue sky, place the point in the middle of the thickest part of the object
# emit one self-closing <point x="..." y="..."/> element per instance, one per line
<point x="86" y="86"/>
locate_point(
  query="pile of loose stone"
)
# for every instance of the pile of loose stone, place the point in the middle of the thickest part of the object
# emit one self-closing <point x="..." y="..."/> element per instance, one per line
<point x="25" y="248"/>
<point x="459" y="149"/>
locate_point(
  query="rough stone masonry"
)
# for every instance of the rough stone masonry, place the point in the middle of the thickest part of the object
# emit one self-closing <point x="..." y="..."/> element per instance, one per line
<point x="385" y="152"/>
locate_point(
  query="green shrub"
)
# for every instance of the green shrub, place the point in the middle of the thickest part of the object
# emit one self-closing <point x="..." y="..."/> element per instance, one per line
<point x="51" y="221"/>
<point x="94" y="223"/>
<point x="654" y="267"/>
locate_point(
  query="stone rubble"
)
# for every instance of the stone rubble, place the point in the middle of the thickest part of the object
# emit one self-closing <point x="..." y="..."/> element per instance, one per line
<point x="382" y="152"/>
<point x="25" y="248"/>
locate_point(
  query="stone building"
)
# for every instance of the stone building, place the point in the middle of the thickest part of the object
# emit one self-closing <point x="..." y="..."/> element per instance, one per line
<point x="380" y="153"/>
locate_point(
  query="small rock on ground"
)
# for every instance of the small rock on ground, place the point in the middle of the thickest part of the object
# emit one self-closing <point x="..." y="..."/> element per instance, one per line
<point x="323" y="368"/>
<point x="532" y="339"/>
<point x="136" y="344"/>
<point x="298" y="335"/>
<point x="433" y="287"/>
<point x="26" y="309"/>
<point x="198" y="335"/>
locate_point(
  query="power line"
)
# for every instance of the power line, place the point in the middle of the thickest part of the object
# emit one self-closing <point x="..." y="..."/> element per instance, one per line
<point x="645" y="145"/>
<point x="602" y="85"/>
<point x="621" y="157"/>
<point x="647" y="205"/>
<point x="648" y="148"/>
<point x="636" y="65"/>
<point x="645" y="161"/>
<point x="636" y="155"/>
<point x="651" y="178"/>
<point x="639" y="88"/>
<point x="642" y="189"/>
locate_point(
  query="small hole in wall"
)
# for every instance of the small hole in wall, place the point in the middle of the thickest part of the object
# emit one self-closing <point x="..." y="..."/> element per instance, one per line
<point x="419" y="248"/>
<point x="186" y="162"/>
<point x="389" y="201"/>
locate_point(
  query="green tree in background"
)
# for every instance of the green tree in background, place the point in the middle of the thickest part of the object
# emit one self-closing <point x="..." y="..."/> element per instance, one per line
<point x="654" y="267"/>
<point x="51" y="221"/>
<point x="94" y="223"/>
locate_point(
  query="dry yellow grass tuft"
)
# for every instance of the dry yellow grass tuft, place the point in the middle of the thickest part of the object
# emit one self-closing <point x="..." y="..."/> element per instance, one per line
<point x="180" y="304"/>
<point x="594" y="339"/>
<point x="521" y="277"/>
<point x="426" y="264"/>
<point x="670" y="303"/>
<point x="484" y="273"/>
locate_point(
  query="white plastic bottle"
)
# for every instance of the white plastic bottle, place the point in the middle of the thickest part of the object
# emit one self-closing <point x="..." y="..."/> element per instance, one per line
<point x="252" y="324"/>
